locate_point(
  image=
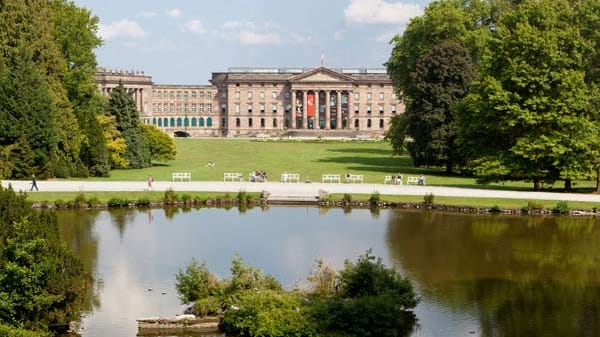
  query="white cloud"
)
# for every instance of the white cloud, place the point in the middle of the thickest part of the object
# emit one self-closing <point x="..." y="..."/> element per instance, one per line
<point x="380" y="12"/>
<point x="174" y="13"/>
<point x="147" y="15"/>
<point x="249" y="33"/>
<point x="121" y="29"/>
<point x="194" y="26"/>
<point x="247" y="37"/>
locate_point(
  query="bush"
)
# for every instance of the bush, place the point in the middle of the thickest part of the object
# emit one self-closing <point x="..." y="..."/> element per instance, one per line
<point x="268" y="313"/>
<point x="206" y="306"/>
<point x="93" y="201"/>
<point x="118" y="202"/>
<point x="428" y="199"/>
<point x="196" y="282"/>
<point x="80" y="201"/>
<point x="374" y="199"/>
<point x="170" y="196"/>
<point x="186" y="198"/>
<point x="142" y="201"/>
<point x="372" y="300"/>
<point x="532" y="206"/>
<point x="242" y="197"/>
<point x="562" y="207"/>
<point x="495" y="209"/>
<point x="347" y="199"/>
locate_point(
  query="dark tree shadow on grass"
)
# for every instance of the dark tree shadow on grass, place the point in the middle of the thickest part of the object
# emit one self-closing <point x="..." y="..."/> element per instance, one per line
<point x="386" y="152"/>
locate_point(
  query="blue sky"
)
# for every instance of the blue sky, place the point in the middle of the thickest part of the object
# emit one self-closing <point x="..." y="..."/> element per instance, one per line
<point x="183" y="41"/>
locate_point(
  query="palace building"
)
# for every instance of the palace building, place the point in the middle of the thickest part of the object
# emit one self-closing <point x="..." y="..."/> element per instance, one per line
<point x="250" y="102"/>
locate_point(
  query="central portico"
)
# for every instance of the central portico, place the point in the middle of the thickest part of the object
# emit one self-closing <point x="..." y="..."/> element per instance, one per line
<point x="321" y="99"/>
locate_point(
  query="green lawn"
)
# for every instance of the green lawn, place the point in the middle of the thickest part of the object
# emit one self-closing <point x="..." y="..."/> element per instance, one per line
<point x="374" y="160"/>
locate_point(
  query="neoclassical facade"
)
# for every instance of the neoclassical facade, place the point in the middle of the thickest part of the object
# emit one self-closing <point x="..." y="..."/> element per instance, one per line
<point x="266" y="102"/>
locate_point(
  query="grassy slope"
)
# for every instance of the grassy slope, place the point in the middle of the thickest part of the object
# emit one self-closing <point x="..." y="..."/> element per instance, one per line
<point x="310" y="159"/>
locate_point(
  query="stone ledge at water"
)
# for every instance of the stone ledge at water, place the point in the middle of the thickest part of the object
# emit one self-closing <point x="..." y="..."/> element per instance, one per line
<point x="182" y="324"/>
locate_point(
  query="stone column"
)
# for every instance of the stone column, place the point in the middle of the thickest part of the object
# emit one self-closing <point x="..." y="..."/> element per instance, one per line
<point x="349" y="124"/>
<point x="317" y="111"/>
<point x="338" y="121"/>
<point x="293" y="110"/>
<point x="304" y="112"/>
<point x="141" y="93"/>
<point x="327" y="116"/>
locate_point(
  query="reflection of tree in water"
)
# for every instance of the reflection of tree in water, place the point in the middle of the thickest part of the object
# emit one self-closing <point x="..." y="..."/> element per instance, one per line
<point x="524" y="275"/>
<point x="76" y="230"/>
<point x="120" y="217"/>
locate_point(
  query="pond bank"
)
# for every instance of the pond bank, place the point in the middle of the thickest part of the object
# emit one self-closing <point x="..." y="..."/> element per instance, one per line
<point x="374" y="202"/>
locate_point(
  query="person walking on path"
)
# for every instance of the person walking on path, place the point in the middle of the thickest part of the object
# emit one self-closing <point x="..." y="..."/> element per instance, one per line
<point x="150" y="181"/>
<point x="33" y="183"/>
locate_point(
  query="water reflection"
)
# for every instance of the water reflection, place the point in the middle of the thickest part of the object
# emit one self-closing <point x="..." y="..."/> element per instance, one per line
<point x="477" y="275"/>
<point x="520" y="276"/>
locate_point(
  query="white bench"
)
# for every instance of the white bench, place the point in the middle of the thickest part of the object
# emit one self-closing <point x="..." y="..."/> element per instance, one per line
<point x="354" y="178"/>
<point x="413" y="180"/>
<point x="396" y="181"/>
<point x="233" y="176"/>
<point x="290" y="177"/>
<point x="182" y="176"/>
<point x="331" y="178"/>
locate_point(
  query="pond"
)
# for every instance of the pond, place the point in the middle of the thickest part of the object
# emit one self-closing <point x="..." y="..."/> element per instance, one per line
<point x="475" y="275"/>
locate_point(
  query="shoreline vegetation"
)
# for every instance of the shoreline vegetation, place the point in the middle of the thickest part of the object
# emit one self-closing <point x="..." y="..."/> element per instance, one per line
<point x="247" y="200"/>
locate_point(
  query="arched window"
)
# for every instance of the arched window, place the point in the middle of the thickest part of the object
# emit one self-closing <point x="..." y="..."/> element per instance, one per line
<point x="381" y="123"/>
<point x="356" y="123"/>
<point x="154" y="121"/>
<point x="209" y="122"/>
<point x="186" y="121"/>
<point x="178" y="121"/>
<point x="194" y="121"/>
<point x="160" y="121"/>
<point x="201" y="121"/>
<point x="369" y="123"/>
<point x="172" y="122"/>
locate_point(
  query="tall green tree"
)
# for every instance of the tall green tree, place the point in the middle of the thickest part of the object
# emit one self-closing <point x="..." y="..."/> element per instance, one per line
<point x="75" y="32"/>
<point x="439" y="83"/>
<point x="27" y="25"/>
<point x="27" y="113"/>
<point x="530" y="116"/>
<point x="122" y="106"/>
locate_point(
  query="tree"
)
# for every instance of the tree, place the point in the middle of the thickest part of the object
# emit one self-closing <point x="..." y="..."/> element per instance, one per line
<point x="41" y="281"/>
<point x="161" y="146"/>
<point x="115" y="143"/>
<point x="440" y="81"/>
<point x="530" y="116"/>
<point x="396" y="133"/>
<point x="122" y="106"/>
<point x="27" y="113"/>
<point x="75" y="33"/>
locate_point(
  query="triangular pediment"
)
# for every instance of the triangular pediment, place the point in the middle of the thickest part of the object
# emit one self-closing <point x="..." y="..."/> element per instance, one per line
<point x="322" y="75"/>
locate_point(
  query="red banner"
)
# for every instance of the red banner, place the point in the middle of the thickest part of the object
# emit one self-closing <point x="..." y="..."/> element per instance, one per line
<point x="310" y="102"/>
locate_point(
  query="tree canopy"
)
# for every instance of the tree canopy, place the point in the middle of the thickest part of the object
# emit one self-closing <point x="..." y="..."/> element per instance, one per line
<point x="531" y="111"/>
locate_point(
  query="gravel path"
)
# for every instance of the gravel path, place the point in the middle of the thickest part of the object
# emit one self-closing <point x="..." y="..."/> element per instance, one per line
<point x="291" y="189"/>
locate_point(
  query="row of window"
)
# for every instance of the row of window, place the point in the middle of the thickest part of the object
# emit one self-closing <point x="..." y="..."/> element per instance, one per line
<point x="178" y="122"/>
<point x="274" y="107"/>
<point x="250" y="95"/>
<point x="186" y="94"/>
<point x="172" y="107"/>
<point x="238" y="122"/>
